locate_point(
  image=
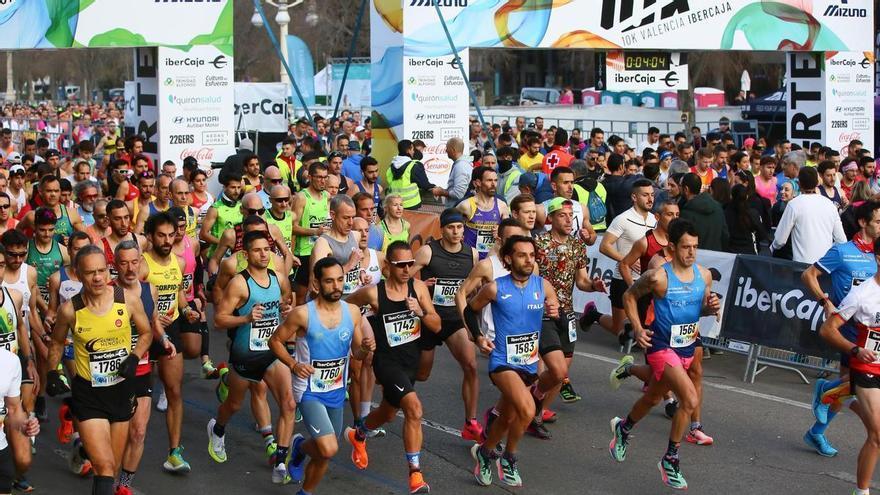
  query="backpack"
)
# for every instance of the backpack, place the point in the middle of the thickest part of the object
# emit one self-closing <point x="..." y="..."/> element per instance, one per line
<point x="596" y="206"/>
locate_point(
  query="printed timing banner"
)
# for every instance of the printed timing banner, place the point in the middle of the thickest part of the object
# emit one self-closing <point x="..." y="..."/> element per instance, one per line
<point x="196" y="102"/>
<point x="646" y="71"/>
<point x="114" y="23"/>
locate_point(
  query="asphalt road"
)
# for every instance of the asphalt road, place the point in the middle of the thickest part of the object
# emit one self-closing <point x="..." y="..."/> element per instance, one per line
<point x="757" y="428"/>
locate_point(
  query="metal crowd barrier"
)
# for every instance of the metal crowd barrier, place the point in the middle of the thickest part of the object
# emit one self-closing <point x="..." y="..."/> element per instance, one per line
<point x="759" y="358"/>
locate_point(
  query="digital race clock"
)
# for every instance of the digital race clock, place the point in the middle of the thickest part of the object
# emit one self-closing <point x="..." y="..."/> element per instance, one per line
<point x="646" y="60"/>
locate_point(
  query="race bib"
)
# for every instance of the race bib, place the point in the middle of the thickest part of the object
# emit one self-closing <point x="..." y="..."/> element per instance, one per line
<point x="187" y="281"/>
<point x="165" y="302"/>
<point x="352" y="280"/>
<point x="485" y="240"/>
<point x="44" y="293"/>
<point x="522" y="349"/>
<point x="104" y="367"/>
<point x="328" y="375"/>
<point x="872" y="342"/>
<point x="572" y="327"/>
<point x="9" y="341"/>
<point x="401" y="327"/>
<point x="683" y="335"/>
<point x="261" y="330"/>
<point x="445" y="290"/>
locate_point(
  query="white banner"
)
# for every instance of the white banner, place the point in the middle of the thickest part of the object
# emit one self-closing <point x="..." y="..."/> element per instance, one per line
<point x="196" y="100"/>
<point x="805" y="112"/>
<point x="646" y="71"/>
<point x="261" y="107"/>
<point x="598" y="265"/>
<point x="130" y="95"/>
<point x="849" y="85"/>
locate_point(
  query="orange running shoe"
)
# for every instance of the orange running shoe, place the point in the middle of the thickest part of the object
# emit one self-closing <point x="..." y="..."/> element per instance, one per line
<point x="417" y="483"/>
<point x="358" y="449"/>
<point x="65" y="429"/>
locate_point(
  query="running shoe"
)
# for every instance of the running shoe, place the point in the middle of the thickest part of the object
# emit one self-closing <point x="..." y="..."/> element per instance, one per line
<point x="670" y="408"/>
<point x="590" y="316"/>
<point x="377" y="433"/>
<point x="567" y="393"/>
<point x="175" y="462"/>
<point x="162" y="403"/>
<point x="548" y="416"/>
<point x="699" y="437"/>
<point x="298" y="417"/>
<point x="483" y="468"/>
<point x="222" y="389"/>
<point x="77" y="464"/>
<point x="209" y="371"/>
<point x="271" y="449"/>
<point x="280" y="476"/>
<point x="417" y="483"/>
<point x="297" y="471"/>
<point x="671" y="474"/>
<point x="22" y="485"/>
<point x="621" y="372"/>
<point x="216" y="444"/>
<point x="820" y="444"/>
<point x="508" y="473"/>
<point x="122" y="490"/>
<point x="472" y="431"/>
<point x="538" y="430"/>
<point x="618" y="445"/>
<point x="820" y="410"/>
<point x="65" y="428"/>
<point x="625" y="339"/>
<point x="358" y="449"/>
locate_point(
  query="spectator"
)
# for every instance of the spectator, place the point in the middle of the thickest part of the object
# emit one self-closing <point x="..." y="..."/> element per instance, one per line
<point x="705" y="213"/>
<point x="703" y="167"/>
<point x="759" y="204"/>
<point x="860" y="194"/>
<point x="792" y="163"/>
<point x="406" y="176"/>
<point x="597" y="141"/>
<point x="720" y="191"/>
<point x="743" y="223"/>
<point x="537" y="184"/>
<point x="671" y="191"/>
<point x="810" y="220"/>
<point x="850" y="170"/>
<point x="460" y="177"/>
<point x="619" y="195"/>
<point x="828" y="188"/>
<point x="557" y="156"/>
<point x="653" y="141"/>
<point x="765" y="181"/>
<point x="351" y="166"/>
<point x="788" y="193"/>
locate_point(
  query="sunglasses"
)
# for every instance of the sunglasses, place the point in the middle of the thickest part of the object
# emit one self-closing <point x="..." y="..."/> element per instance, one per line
<point x="20" y="254"/>
<point x="403" y="263"/>
<point x="258" y="211"/>
<point x="285" y="199"/>
<point x="276" y="181"/>
<point x="4" y="207"/>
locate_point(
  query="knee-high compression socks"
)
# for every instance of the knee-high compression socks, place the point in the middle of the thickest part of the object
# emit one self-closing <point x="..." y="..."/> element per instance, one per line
<point x="102" y="485"/>
<point x="206" y="339"/>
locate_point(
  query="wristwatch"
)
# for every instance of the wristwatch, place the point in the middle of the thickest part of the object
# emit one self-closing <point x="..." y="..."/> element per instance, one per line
<point x="855" y="351"/>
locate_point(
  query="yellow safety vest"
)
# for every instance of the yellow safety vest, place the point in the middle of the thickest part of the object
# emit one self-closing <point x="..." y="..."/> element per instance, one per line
<point x="403" y="186"/>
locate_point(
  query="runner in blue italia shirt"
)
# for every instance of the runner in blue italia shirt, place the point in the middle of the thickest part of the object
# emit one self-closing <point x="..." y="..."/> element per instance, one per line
<point x="848" y="264"/>
<point x="326" y="330"/>
<point x="518" y="302"/>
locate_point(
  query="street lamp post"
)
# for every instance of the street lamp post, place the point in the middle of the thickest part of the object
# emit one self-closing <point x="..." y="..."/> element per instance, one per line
<point x="10" y="89"/>
<point x="283" y="20"/>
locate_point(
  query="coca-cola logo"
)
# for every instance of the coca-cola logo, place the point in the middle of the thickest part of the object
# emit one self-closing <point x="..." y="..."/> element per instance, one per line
<point x="204" y="155"/>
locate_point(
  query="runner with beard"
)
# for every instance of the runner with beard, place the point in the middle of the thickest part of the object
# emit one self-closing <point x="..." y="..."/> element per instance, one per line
<point x="483" y="211"/>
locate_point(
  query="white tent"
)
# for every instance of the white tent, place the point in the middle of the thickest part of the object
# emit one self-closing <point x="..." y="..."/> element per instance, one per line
<point x="322" y="81"/>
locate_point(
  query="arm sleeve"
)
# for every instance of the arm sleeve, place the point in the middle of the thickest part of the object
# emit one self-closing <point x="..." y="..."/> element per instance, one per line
<point x="420" y="178"/>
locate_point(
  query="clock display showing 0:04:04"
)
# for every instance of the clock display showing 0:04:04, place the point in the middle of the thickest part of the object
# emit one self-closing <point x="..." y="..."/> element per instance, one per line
<point x="646" y="61"/>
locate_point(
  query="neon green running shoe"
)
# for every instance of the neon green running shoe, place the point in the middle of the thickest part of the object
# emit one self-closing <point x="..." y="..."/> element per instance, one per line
<point x="671" y="474"/>
<point x="175" y="462"/>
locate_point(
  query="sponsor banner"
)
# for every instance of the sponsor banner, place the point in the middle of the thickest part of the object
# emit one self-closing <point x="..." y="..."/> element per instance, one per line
<point x="196" y="101"/>
<point x="849" y="83"/>
<point x="144" y="113"/>
<point x="805" y="110"/>
<point x="598" y="265"/>
<point x="357" y="85"/>
<point x="100" y="23"/>
<point x="130" y="94"/>
<point x="646" y="71"/>
<point x="767" y="304"/>
<point x="817" y="25"/>
<point x="300" y="61"/>
<point x="261" y="107"/>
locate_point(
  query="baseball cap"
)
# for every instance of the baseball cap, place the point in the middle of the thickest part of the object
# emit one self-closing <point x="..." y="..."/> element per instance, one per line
<point x="749" y="142"/>
<point x="529" y="179"/>
<point x="359" y="128"/>
<point x="665" y="154"/>
<point x="557" y="204"/>
<point x="52" y="153"/>
<point x="450" y="216"/>
<point x="14" y="157"/>
<point x="16" y="169"/>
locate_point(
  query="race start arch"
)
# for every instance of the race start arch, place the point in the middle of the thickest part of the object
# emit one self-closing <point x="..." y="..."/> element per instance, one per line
<point x="418" y="91"/>
<point x="183" y="70"/>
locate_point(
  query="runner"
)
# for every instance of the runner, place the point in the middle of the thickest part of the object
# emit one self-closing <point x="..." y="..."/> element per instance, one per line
<point x="326" y="331"/>
<point x="394" y="227"/>
<point x="68" y="220"/>
<point x="45" y="254"/>
<point x="860" y="309"/>
<point x="200" y="198"/>
<point x="224" y="213"/>
<point x="254" y="303"/>
<point x="848" y="265"/>
<point x="15" y="417"/>
<point x="341" y="243"/>
<point x="682" y="294"/>
<point x="165" y="271"/>
<point x="312" y="209"/>
<point x="402" y="306"/>
<point x="127" y="258"/>
<point x="518" y="302"/>
<point x="120" y="230"/>
<point x="483" y="211"/>
<point x="369" y="184"/>
<point x="160" y="202"/>
<point x="444" y="264"/>
<point x="63" y="285"/>
<point x="103" y="398"/>
<point x="524" y="209"/>
<point x="280" y="214"/>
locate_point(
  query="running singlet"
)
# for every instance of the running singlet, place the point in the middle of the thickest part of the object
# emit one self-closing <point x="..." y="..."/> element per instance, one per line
<point x="316" y="213"/>
<point x="517" y="313"/>
<point x="101" y="342"/>
<point x="860" y="308"/>
<point x="253" y="337"/>
<point x="326" y="350"/>
<point x="375" y="274"/>
<point x="479" y="228"/>
<point x="167" y="279"/>
<point x="8" y="324"/>
<point x="397" y="330"/>
<point x="284" y="224"/>
<point x="63" y="227"/>
<point x="46" y="264"/>
<point x="388" y="237"/>
<point x="498" y="271"/>
<point x="189" y="269"/>
<point x="849" y="265"/>
<point x="143" y="367"/>
<point x="21" y="285"/>
<point x="677" y="314"/>
<point x="654" y="247"/>
<point x="108" y="255"/>
<point x="377" y="199"/>
<point x="341" y="251"/>
<point x="449" y="270"/>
